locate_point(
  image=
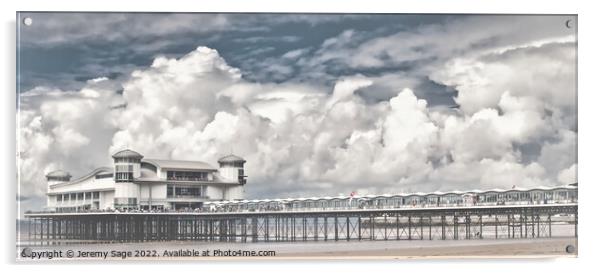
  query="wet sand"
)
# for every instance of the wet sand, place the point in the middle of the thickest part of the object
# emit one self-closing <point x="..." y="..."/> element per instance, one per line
<point x="462" y="249"/>
<point x="487" y="248"/>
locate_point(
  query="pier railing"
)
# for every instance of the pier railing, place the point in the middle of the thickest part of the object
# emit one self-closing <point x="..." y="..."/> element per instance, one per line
<point x="214" y="209"/>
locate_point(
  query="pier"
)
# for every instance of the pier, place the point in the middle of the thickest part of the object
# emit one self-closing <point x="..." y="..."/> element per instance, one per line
<point x="416" y="223"/>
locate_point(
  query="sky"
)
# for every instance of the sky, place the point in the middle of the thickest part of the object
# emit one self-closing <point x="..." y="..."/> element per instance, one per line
<point x="318" y="104"/>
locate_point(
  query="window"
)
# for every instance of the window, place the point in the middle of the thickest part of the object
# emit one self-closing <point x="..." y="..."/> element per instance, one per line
<point x="59" y="198"/>
<point x="148" y="166"/>
<point x="173" y="191"/>
<point x="187" y="176"/>
<point x="573" y="195"/>
<point x="124" y="168"/>
<point x="241" y="176"/>
<point x="548" y="195"/>
<point x="127" y="160"/>
<point x="525" y="196"/>
<point x="73" y="197"/>
<point x="187" y="191"/>
<point x="95" y="195"/>
<point x="124" y="177"/>
<point x="232" y="164"/>
<point x="88" y="195"/>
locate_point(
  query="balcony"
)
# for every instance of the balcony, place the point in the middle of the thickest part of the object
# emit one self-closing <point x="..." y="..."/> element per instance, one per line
<point x="188" y="196"/>
<point x="187" y="179"/>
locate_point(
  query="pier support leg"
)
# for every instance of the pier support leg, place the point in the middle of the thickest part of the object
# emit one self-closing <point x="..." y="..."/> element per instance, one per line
<point x="455" y="227"/>
<point x="496" y="223"/>
<point x="348" y="237"/>
<point x="480" y="226"/>
<point x="430" y="227"/>
<point x="325" y="228"/>
<point x="443" y="226"/>
<point x="359" y="228"/>
<point x="336" y="228"/>
<point x="386" y="224"/>
<point x="550" y="225"/>
<point x="576" y="227"/>
<point x="397" y="224"/>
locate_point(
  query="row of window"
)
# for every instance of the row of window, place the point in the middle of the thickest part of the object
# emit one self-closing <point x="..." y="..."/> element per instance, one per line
<point x="124" y="177"/>
<point x="124" y="168"/>
<point x="127" y="160"/>
<point x="187" y="176"/>
<point x="77" y="196"/>
<point x="232" y="164"/>
<point x="536" y="197"/>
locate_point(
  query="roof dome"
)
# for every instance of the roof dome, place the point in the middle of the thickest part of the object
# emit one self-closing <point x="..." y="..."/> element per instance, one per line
<point x="58" y="174"/>
<point x="127" y="153"/>
<point x="231" y="159"/>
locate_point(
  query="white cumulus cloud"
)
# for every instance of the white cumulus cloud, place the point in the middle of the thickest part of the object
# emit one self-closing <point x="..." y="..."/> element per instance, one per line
<point x="304" y="139"/>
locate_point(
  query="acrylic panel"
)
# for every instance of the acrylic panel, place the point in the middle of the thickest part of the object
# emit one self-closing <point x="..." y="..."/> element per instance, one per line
<point x="168" y="136"/>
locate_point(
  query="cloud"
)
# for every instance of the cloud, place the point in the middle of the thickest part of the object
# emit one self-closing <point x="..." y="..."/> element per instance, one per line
<point x="481" y="81"/>
<point x="372" y="133"/>
<point x="294" y="54"/>
<point x="62" y="130"/>
<point x="266" y="39"/>
<point x="459" y="36"/>
<point x="568" y="175"/>
<point x="50" y="29"/>
<point x="53" y="29"/>
<point x="311" y="141"/>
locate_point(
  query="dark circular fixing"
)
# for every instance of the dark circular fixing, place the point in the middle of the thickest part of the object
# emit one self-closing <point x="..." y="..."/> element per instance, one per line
<point x="570" y="249"/>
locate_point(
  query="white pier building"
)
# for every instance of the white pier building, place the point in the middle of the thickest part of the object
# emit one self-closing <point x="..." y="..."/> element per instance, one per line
<point x="135" y="182"/>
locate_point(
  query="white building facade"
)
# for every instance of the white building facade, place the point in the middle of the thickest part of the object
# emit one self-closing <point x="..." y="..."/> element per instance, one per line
<point x="135" y="182"/>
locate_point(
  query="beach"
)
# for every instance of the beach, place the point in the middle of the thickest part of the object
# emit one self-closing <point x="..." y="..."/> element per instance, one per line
<point x="486" y="248"/>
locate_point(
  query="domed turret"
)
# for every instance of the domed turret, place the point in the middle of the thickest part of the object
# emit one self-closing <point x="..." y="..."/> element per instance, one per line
<point x="127" y="168"/>
<point x="127" y="165"/>
<point x="231" y="167"/>
<point x="231" y="159"/>
<point x="127" y="153"/>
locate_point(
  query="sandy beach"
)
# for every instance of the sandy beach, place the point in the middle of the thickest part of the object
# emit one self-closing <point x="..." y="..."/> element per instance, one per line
<point x="504" y="248"/>
<point x="468" y="248"/>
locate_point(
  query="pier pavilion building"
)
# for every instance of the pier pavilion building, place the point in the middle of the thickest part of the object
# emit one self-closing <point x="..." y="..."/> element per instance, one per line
<point x="136" y="182"/>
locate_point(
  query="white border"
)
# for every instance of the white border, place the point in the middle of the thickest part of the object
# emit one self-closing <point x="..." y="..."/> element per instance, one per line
<point x="589" y="126"/>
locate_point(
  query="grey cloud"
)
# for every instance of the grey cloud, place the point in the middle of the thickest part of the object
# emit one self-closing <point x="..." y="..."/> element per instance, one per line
<point x="267" y="39"/>
<point x="55" y="28"/>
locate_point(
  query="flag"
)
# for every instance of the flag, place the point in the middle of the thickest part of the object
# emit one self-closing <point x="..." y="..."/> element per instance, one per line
<point x="351" y="195"/>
